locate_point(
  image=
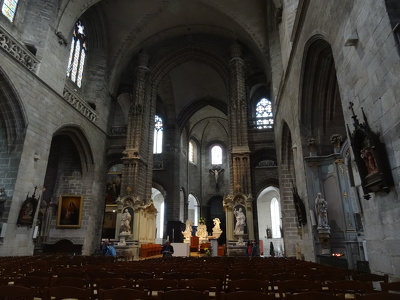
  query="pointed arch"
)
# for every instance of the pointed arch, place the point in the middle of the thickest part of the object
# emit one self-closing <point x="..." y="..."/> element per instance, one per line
<point x="81" y="142"/>
<point x="321" y="112"/>
<point x="12" y="114"/>
<point x="158" y="196"/>
<point x="193" y="209"/>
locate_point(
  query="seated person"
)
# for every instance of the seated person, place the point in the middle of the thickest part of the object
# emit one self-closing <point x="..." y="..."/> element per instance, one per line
<point x="167" y="250"/>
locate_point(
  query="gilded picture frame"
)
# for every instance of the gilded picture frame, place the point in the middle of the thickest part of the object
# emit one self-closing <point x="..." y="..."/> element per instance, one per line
<point x="69" y="211"/>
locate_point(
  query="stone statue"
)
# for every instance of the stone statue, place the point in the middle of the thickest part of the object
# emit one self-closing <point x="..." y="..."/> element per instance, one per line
<point x="369" y="160"/>
<point x="216" y="231"/>
<point x="188" y="228"/>
<point x="321" y="209"/>
<point x="126" y="222"/>
<point x="188" y="231"/>
<point x="217" y="223"/>
<point x="240" y="221"/>
<point x="202" y="233"/>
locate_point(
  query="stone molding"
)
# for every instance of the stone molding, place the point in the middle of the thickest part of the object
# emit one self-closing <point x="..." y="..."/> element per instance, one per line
<point x="79" y="104"/>
<point x="119" y="130"/>
<point x="17" y="50"/>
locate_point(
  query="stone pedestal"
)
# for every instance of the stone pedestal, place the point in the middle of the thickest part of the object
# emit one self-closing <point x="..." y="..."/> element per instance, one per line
<point x="214" y="247"/>
<point x="324" y="235"/>
<point x="240" y="239"/>
<point x="129" y="250"/>
<point x="123" y="237"/>
<point x="234" y="249"/>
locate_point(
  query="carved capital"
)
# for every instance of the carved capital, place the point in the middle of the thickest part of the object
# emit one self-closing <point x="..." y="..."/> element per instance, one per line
<point x="143" y="58"/>
<point x="336" y="140"/>
<point x="236" y="50"/>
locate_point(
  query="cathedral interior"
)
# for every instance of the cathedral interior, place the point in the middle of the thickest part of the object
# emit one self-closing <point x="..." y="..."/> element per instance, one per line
<point x="127" y="119"/>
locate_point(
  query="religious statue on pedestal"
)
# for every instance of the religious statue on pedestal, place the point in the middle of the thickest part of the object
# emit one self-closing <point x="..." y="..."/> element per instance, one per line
<point x="240" y="221"/>
<point x="216" y="231"/>
<point x="202" y="233"/>
<point x="126" y="222"/>
<point x="188" y="231"/>
<point x="321" y="208"/>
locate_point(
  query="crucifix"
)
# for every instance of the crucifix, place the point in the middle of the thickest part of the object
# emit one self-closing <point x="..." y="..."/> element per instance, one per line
<point x="216" y="172"/>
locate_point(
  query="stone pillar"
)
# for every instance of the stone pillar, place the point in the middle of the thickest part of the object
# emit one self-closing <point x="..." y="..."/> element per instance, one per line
<point x="228" y="207"/>
<point x="240" y="153"/>
<point x="136" y="155"/>
<point x="250" y="222"/>
<point x="240" y="181"/>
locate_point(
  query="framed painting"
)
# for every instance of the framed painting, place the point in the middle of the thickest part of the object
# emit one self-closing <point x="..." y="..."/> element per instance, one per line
<point x="109" y="222"/>
<point x="113" y="187"/>
<point x="69" y="211"/>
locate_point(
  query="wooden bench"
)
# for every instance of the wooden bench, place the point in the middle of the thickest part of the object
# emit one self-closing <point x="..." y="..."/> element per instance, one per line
<point x="147" y="250"/>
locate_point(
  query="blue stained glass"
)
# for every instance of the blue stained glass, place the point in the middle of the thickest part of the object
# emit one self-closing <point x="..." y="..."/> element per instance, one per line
<point x="81" y="65"/>
<point x="158" y="135"/>
<point x="77" y="55"/>
<point x="71" y="53"/>
<point x="75" y="61"/>
<point x="264" y="113"/>
<point x="8" y="9"/>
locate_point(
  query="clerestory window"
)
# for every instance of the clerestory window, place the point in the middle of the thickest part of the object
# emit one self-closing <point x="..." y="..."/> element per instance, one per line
<point x="158" y="135"/>
<point x="8" y="8"/>
<point x="216" y="155"/>
<point x="77" y="55"/>
<point x="265" y="118"/>
<point x="192" y="152"/>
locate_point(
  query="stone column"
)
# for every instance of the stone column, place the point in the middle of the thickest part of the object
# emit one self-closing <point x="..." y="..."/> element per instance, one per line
<point x="240" y="153"/>
<point x="250" y="222"/>
<point x="228" y="207"/>
<point x="135" y="174"/>
<point x="240" y="181"/>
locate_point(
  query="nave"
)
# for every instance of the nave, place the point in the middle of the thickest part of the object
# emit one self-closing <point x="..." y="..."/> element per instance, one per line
<point x="202" y="277"/>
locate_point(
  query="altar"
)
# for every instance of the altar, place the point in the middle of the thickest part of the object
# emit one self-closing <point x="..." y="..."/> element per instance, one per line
<point x="181" y="249"/>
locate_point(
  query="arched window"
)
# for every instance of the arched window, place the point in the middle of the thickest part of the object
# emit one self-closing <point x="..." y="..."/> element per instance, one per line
<point x="193" y="209"/>
<point x="77" y="55"/>
<point x="275" y="218"/>
<point x="158" y="135"/>
<point x="8" y="9"/>
<point x="265" y="118"/>
<point x="192" y="153"/>
<point x="161" y="212"/>
<point x="216" y="155"/>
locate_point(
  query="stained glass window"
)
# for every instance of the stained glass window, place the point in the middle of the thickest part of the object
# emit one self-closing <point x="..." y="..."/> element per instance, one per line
<point x="8" y="9"/>
<point x="158" y="135"/>
<point x="191" y="151"/>
<point x="216" y="155"/>
<point x="77" y="55"/>
<point x="265" y="118"/>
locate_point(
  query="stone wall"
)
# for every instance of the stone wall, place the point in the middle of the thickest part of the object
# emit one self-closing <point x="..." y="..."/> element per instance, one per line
<point x="368" y="76"/>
